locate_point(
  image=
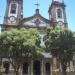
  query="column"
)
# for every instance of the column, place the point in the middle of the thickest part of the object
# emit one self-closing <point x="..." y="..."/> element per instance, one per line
<point x="60" y="69"/>
<point x="74" y="65"/>
<point x="44" y="68"/>
<point x="31" y="68"/>
<point x="51" y="69"/>
<point x="54" y="66"/>
<point x="71" y="68"/>
<point x="71" y="65"/>
<point x="28" y="68"/>
<point x="10" y="67"/>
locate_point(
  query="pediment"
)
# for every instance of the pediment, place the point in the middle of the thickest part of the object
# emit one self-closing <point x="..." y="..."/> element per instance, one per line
<point x="35" y="22"/>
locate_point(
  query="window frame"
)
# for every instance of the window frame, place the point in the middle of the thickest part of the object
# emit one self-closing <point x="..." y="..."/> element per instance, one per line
<point x="59" y="13"/>
<point x="13" y="10"/>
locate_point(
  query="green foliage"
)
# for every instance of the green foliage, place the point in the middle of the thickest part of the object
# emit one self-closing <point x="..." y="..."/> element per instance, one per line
<point x="19" y="43"/>
<point x="60" y="42"/>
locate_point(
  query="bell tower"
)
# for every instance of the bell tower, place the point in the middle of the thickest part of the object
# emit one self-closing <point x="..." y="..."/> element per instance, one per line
<point x="57" y="13"/>
<point x="14" y="13"/>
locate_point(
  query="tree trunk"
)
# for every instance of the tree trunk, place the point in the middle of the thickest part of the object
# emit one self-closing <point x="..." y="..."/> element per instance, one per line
<point x="6" y="71"/>
<point x="64" y="67"/>
<point x="16" y="69"/>
<point x="17" y="72"/>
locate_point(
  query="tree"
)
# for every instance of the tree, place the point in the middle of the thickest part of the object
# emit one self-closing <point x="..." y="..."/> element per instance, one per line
<point x="60" y="43"/>
<point x="18" y="44"/>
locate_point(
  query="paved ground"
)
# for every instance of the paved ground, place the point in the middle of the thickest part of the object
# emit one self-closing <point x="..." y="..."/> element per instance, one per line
<point x="71" y="73"/>
<point x="9" y="74"/>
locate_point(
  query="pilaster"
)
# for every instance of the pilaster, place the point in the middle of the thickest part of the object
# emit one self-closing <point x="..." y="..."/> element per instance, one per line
<point x="42" y="67"/>
<point x="31" y="67"/>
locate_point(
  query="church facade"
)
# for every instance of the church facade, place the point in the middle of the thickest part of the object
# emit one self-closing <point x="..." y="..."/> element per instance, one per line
<point x="14" y="19"/>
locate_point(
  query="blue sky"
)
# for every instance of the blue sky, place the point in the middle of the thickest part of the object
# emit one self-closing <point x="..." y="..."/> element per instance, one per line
<point x="29" y="9"/>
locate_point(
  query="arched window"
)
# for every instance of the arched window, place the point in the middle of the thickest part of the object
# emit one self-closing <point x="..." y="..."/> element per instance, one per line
<point x="59" y="13"/>
<point x="13" y="8"/>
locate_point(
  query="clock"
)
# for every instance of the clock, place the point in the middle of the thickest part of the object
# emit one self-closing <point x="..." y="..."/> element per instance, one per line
<point x="37" y="22"/>
<point x="12" y="19"/>
<point x="60" y="23"/>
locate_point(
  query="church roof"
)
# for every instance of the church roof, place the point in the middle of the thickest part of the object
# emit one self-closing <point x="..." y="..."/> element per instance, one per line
<point x="36" y="15"/>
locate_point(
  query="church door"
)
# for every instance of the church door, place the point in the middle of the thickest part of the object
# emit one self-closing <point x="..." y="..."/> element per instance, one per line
<point x="47" y="69"/>
<point x="36" y="68"/>
<point x="25" y="68"/>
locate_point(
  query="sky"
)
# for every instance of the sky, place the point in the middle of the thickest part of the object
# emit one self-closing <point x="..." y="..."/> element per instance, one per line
<point x="29" y="10"/>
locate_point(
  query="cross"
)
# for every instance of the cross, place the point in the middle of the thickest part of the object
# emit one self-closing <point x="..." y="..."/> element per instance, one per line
<point x="37" y="4"/>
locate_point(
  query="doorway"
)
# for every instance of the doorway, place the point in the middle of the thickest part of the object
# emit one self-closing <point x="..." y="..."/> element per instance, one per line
<point x="36" y="68"/>
<point x="6" y="66"/>
<point x="47" y="69"/>
<point x="25" y="68"/>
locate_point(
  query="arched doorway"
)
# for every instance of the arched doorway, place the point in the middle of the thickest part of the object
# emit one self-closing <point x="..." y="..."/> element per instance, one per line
<point x="36" y="68"/>
<point x="25" y="68"/>
<point x="47" y="69"/>
<point x="6" y="66"/>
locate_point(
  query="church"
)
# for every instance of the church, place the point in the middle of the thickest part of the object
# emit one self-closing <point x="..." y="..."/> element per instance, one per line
<point x="14" y="15"/>
<point x="14" y="19"/>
